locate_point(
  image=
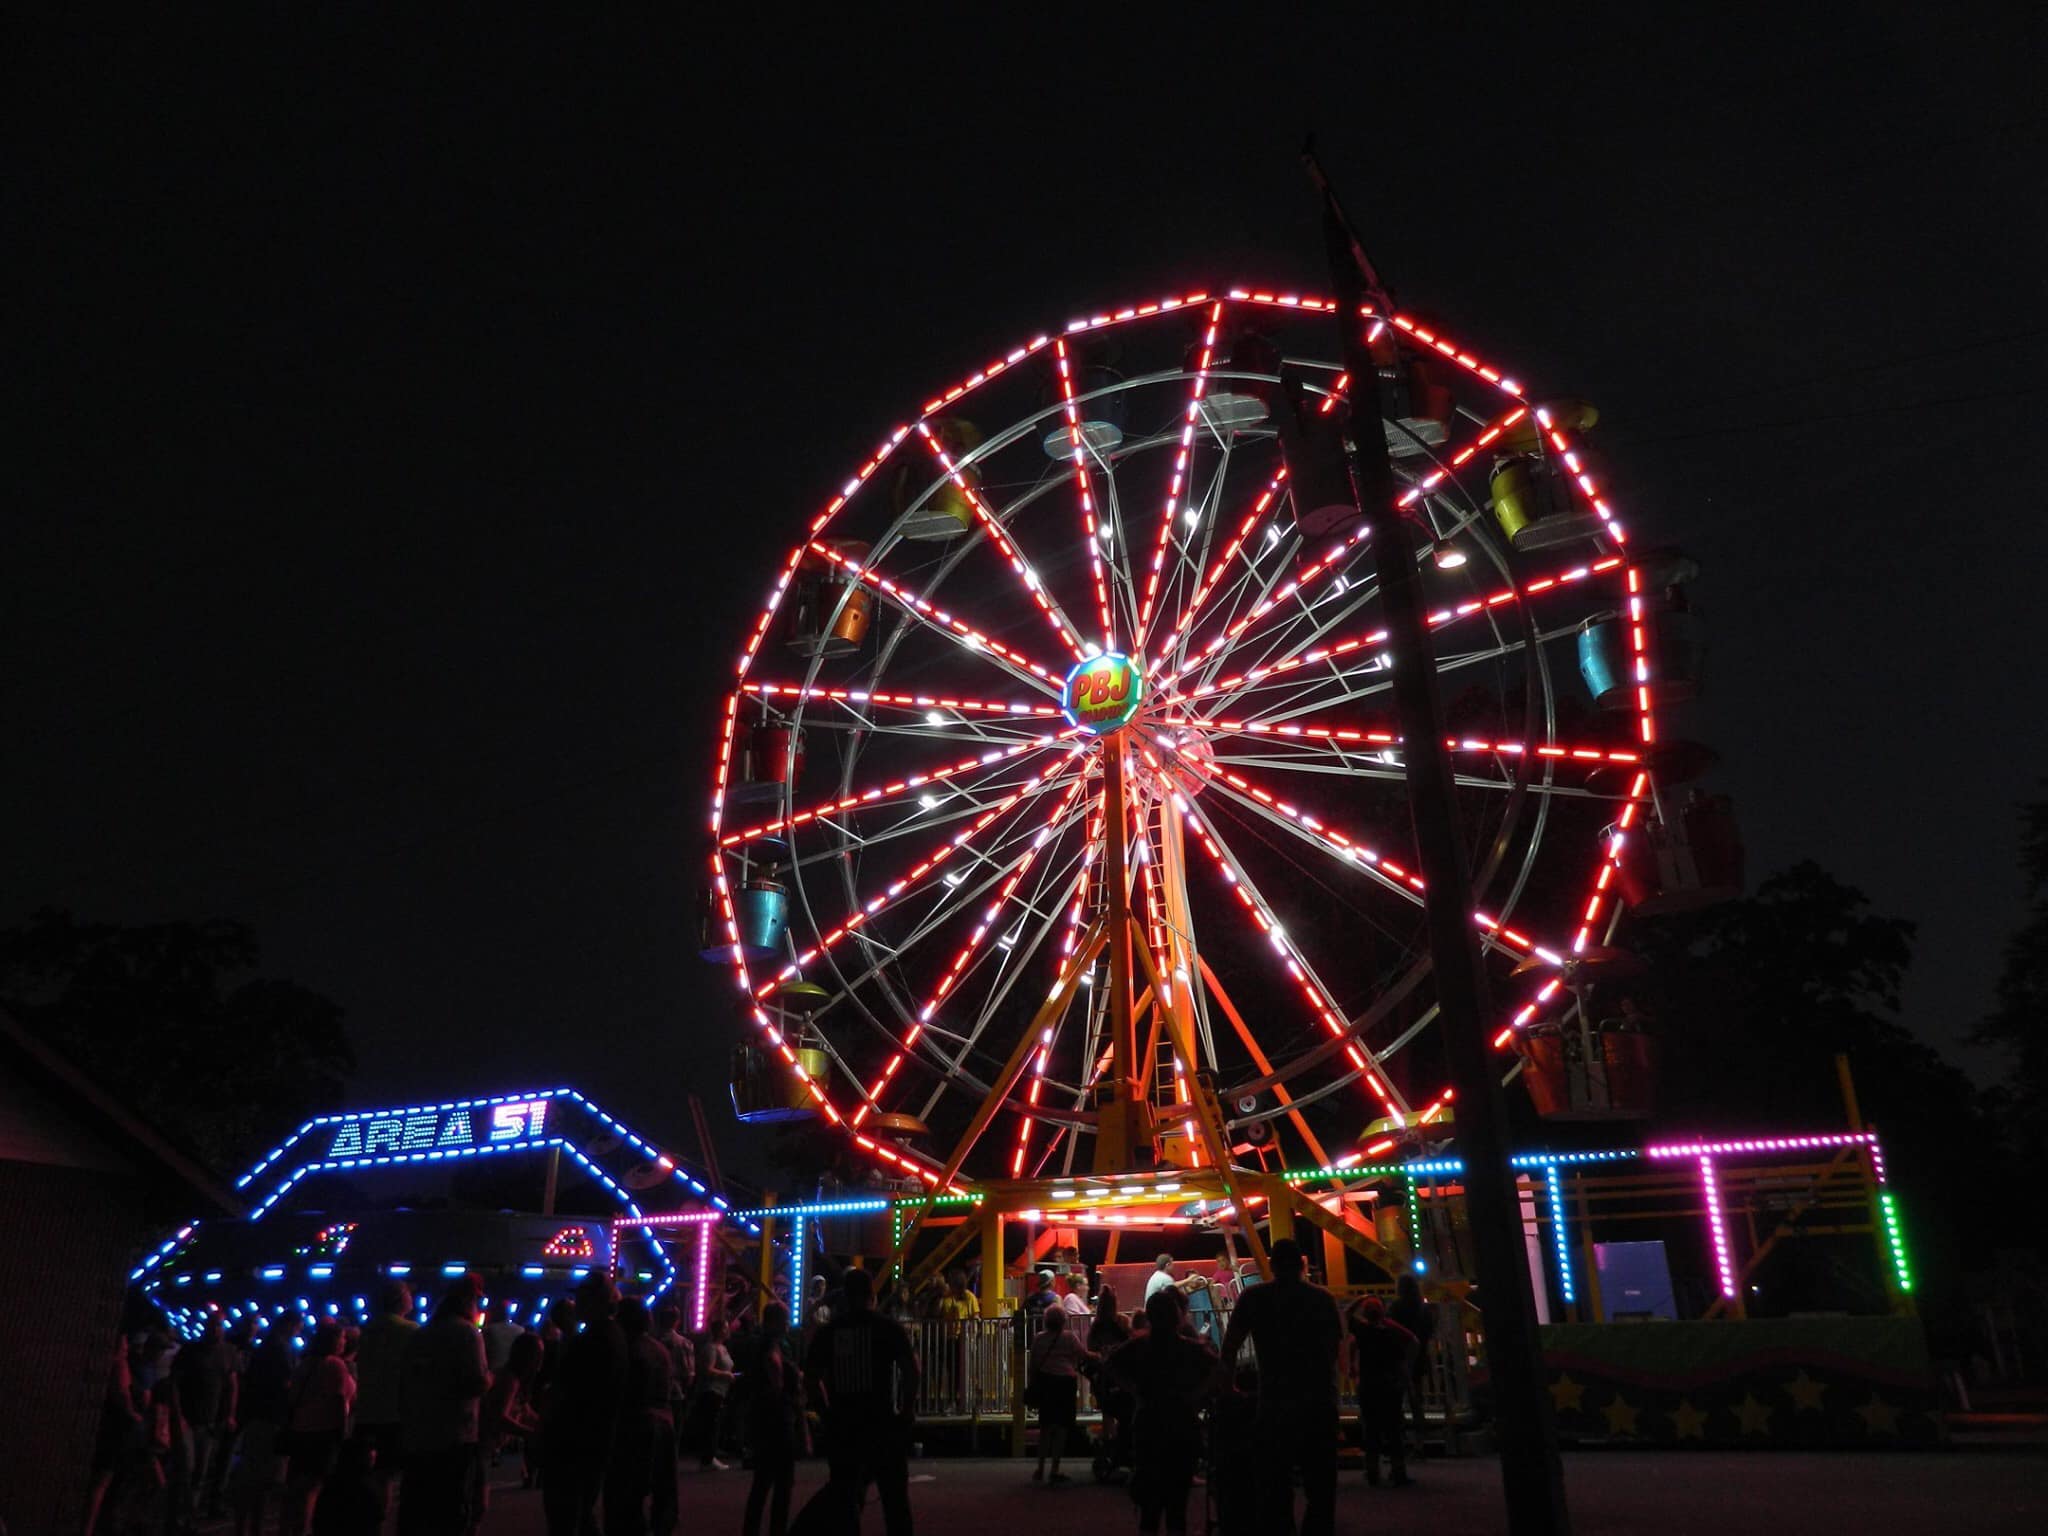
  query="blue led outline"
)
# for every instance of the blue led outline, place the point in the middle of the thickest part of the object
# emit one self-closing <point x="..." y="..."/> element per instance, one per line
<point x="1559" y="1240"/>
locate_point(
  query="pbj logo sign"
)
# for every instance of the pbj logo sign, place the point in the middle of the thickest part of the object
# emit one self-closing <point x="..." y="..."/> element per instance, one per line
<point x="1103" y="693"/>
<point x="452" y="1129"/>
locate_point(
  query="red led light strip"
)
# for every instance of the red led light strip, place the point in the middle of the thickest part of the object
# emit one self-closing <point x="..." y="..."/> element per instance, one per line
<point x="937" y="615"/>
<point x="1084" y="487"/>
<point x="1294" y="728"/>
<point x="896" y="888"/>
<point x="1222" y="561"/>
<point x="1182" y="454"/>
<point x="958" y="968"/>
<point x="1019" y="566"/>
<point x="1067" y="942"/>
<point x="897" y="700"/>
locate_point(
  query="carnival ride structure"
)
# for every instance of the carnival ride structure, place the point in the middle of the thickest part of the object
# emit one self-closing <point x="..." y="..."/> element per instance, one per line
<point x="1073" y="701"/>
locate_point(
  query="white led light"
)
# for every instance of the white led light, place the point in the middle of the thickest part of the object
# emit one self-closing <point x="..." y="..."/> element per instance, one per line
<point x="933" y="717"/>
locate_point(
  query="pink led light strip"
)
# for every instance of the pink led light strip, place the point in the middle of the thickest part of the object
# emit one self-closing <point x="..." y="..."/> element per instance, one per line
<point x="1085" y="489"/>
<point x="1724" y="1258"/>
<point x="1825" y="1141"/>
<point x="706" y="1223"/>
<point x="1182" y="454"/>
<point x="897" y="700"/>
<point x="972" y="946"/>
<point x="1019" y="566"/>
<point x="937" y="615"/>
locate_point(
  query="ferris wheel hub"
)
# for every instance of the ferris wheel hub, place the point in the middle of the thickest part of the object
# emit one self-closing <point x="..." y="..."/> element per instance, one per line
<point x="1103" y="693"/>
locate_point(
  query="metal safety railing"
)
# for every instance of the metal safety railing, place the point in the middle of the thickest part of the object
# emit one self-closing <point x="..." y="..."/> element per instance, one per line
<point x="974" y="1369"/>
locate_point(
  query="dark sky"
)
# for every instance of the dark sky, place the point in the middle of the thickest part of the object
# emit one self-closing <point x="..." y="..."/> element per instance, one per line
<point x="403" y="427"/>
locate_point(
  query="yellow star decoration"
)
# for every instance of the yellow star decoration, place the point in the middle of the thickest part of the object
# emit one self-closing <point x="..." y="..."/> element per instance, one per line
<point x="1879" y="1417"/>
<point x="1621" y="1416"/>
<point x="1691" y="1422"/>
<point x="1805" y="1391"/>
<point x="1565" y="1393"/>
<point x="1754" y="1416"/>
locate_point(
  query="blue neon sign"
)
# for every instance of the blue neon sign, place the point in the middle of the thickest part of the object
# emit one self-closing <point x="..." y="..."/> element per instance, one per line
<point x="454" y="1129"/>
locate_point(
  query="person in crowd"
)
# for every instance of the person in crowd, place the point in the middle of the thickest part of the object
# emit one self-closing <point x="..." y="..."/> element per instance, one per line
<point x="1167" y="1374"/>
<point x="499" y="1332"/>
<point x="1074" y="1298"/>
<point x="682" y="1355"/>
<point x="774" y="1424"/>
<point x="1419" y="1318"/>
<point x="816" y="1309"/>
<point x="441" y="1388"/>
<point x="862" y="1372"/>
<point x="1381" y="1350"/>
<point x="1296" y="1329"/>
<point x="507" y="1409"/>
<point x="1161" y="1276"/>
<point x="714" y="1380"/>
<point x="640" y="1482"/>
<point x="1040" y="1298"/>
<point x="1233" y="1455"/>
<point x="120" y="1428"/>
<point x="958" y="1304"/>
<point x="321" y="1395"/>
<point x="352" y="1502"/>
<point x="380" y="1356"/>
<point x="580" y="1418"/>
<point x="265" y="1405"/>
<point x="209" y="1378"/>
<point x="1057" y="1354"/>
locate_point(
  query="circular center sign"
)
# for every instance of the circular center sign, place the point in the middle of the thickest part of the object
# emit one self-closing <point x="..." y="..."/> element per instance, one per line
<point x="1102" y="693"/>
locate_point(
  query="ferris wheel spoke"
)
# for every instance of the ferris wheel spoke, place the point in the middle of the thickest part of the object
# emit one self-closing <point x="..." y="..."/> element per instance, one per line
<point x="937" y="996"/>
<point x="1222" y="564"/>
<point x="962" y="801"/>
<point x="895" y="787"/>
<point x="1392" y="876"/>
<point x="921" y="702"/>
<point x="1339" y="554"/>
<point x="957" y="631"/>
<point x="1197" y="387"/>
<point x="931" y="863"/>
<point x="1313" y="992"/>
<point x="1311" y="732"/>
<point x="1024" y="571"/>
<point x="1094" y="530"/>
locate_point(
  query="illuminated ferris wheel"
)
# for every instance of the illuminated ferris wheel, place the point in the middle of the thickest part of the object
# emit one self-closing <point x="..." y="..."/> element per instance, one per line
<point x="1060" y="821"/>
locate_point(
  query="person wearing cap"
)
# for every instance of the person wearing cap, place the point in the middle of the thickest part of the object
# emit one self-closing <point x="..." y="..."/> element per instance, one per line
<point x="441" y="1383"/>
<point x="580" y="1423"/>
<point x="1296" y="1329"/>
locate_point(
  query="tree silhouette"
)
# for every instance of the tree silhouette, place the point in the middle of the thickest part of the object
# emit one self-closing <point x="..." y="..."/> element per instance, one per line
<point x="173" y="1019"/>
<point x="2018" y="1024"/>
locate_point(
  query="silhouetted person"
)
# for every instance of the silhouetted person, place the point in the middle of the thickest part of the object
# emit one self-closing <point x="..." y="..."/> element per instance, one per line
<point x="581" y="1416"/>
<point x="380" y="1364"/>
<point x="863" y="1374"/>
<point x="440" y="1400"/>
<point x="1296" y="1329"/>
<point x="640" y="1484"/>
<point x="209" y="1375"/>
<point x="1167" y="1374"/>
<point x="1381" y="1350"/>
<point x="1057" y="1354"/>
<point x="773" y="1424"/>
<point x="1419" y="1318"/>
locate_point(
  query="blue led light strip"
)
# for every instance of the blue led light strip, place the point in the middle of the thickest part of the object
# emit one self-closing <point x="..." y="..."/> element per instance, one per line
<point x="1560" y="1239"/>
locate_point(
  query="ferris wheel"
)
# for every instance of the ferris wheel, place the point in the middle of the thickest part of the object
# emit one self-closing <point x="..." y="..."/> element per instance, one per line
<point x="1060" y="820"/>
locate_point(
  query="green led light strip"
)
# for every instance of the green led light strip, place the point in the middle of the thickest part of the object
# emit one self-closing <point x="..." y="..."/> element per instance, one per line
<point x="1895" y="1235"/>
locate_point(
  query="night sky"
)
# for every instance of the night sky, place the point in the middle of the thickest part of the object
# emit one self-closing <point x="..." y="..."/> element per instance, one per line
<point x="404" y="429"/>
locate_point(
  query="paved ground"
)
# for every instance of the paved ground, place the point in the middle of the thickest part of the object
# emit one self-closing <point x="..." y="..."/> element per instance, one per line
<point x="1701" y="1493"/>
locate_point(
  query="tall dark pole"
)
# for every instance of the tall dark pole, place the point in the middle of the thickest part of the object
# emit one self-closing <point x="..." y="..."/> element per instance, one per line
<point x="1531" y="1473"/>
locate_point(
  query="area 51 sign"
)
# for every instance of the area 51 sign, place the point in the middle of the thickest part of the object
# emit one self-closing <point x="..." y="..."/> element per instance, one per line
<point x="458" y="1128"/>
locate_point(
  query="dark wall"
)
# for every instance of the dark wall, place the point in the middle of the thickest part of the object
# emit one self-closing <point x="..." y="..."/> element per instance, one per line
<point x="67" y="1239"/>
